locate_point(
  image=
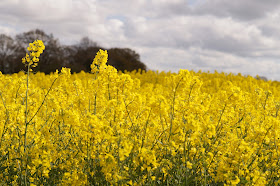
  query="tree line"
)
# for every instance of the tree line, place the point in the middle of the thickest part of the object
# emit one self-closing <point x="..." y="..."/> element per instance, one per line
<point x="78" y="57"/>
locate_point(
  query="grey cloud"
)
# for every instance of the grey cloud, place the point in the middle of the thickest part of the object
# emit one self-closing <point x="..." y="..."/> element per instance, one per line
<point x="196" y="58"/>
<point x="208" y="32"/>
<point x="232" y="36"/>
<point x="239" y="9"/>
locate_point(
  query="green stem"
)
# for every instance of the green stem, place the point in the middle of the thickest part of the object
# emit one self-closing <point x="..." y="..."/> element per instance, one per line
<point x="26" y="107"/>
<point x="26" y="123"/>
<point x="172" y="113"/>
<point x="42" y="102"/>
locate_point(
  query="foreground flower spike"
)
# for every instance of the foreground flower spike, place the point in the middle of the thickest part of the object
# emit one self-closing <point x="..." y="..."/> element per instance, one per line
<point x="99" y="62"/>
<point x="35" y="50"/>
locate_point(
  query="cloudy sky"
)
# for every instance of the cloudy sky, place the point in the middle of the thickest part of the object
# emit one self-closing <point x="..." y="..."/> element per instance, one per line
<point x="224" y="35"/>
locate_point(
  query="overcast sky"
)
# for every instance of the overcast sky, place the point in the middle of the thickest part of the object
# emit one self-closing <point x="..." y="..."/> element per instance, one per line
<point x="224" y="35"/>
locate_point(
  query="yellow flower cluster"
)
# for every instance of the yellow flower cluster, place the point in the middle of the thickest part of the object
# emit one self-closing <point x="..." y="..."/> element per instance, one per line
<point x="139" y="128"/>
<point x="35" y="50"/>
<point x="99" y="62"/>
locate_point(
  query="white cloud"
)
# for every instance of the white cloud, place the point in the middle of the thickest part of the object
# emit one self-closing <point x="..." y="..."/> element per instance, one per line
<point x="6" y="29"/>
<point x="206" y="60"/>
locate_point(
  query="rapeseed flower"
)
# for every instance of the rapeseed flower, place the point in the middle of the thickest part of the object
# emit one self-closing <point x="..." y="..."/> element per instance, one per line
<point x="138" y="128"/>
<point x="35" y="50"/>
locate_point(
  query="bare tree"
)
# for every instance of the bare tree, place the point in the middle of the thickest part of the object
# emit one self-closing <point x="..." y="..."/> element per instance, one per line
<point x="86" y="42"/>
<point x="8" y="53"/>
<point x="125" y="59"/>
<point x="52" y="58"/>
<point x="77" y="57"/>
<point x="25" y="38"/>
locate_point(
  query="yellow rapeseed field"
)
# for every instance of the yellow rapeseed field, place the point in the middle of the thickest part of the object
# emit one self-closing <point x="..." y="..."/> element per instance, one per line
<point x="137" y="128"/>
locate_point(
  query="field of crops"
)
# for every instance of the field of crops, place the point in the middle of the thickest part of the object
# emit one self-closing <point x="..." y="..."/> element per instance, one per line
<point x="137" y="128"/>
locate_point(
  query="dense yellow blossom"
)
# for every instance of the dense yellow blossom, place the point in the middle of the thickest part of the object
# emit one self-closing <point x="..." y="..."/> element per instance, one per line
<point x="138" y="128"/>
<point x="35" y="50"/>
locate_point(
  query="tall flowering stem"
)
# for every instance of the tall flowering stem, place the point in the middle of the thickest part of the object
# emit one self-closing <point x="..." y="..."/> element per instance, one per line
<point x="31" y="59"/>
